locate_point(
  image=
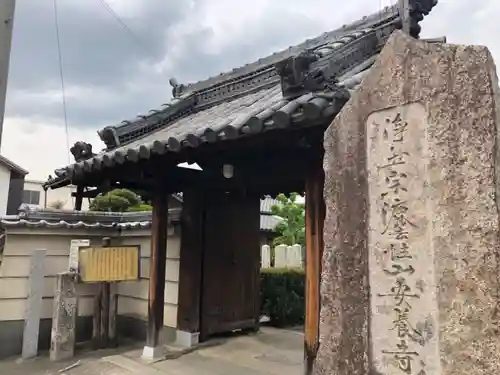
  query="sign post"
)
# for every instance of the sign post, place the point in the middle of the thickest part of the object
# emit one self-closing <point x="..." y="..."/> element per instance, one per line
<point x="106" y="265"/>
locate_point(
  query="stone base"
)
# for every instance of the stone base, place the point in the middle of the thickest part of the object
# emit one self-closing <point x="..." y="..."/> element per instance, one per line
<point x="187" y="339"/>
<point x="149" y="353"/>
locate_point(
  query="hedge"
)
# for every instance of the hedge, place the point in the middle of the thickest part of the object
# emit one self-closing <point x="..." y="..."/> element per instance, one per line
<point x="282" y="295"/>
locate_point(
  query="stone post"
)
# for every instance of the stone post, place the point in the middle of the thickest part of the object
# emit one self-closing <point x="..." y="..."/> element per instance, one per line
<point x="410" y="281"/>
<point x="294" y="256"/>
<point x="33" y="305"/>
<point x="64" y="318"/>
<point x="265" y="256"/>
<point x="280" y="256"/>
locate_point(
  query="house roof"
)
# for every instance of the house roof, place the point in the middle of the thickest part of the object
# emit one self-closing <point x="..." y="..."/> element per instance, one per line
<point x="268" y="221"/>
<point x="12" y="166"/>
<point x="306" y="83"/>
<point x="266" y="204"/>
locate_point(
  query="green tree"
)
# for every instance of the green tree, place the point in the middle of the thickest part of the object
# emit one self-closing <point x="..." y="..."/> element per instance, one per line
<point x="119" y="200"/>
<point x="291" y="230"/>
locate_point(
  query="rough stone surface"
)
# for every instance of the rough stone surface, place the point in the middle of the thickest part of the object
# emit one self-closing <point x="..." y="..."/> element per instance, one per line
<point x="457" y="86"/>
<point x="63" y="334"/>
<point x="403" y="292"/>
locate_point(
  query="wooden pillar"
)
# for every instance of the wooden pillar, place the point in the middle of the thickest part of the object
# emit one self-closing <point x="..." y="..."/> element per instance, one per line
<point x="315" y="216"/>
<point x="190" y="268"/>
<point x="79" y="198"/>
<point x="96" y="319"/>
<point x="158" y="262"/>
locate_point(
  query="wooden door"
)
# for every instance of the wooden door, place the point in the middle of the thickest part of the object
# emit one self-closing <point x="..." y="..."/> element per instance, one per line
<point x="231" y="263"/>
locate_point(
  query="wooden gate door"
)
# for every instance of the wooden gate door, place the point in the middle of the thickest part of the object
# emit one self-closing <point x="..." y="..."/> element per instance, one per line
<point x="231" y="264"/>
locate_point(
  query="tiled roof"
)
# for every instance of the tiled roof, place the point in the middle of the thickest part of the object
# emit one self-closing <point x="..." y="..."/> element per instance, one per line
<point x="266" y="204"/>
<point x="39" y="218"/>
<point x="269" y="222"/>
<point x="32" y="217"/>
<point x="76" y="225"/>
<point x="254" y="98"/>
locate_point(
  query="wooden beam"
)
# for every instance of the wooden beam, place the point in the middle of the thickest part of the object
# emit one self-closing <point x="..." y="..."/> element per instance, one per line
<point x="96" y="319"/>
<point x="79" y="198"/>
<point x="158" y="261"/>
<point x="315" y="216"/>
<point x="105" y="315"/>
<point x="138" y="188"/>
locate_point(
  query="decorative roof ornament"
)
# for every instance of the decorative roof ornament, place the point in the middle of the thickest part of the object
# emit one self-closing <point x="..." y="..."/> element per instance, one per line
<point x="299" y="76"/>
<point x="82" y="151"/>
<point x="177" y="89"/>
<point x="412" y="12"/>
<point x="294" y="71"/>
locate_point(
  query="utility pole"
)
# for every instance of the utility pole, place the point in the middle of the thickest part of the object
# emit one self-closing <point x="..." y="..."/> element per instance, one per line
<point x="7" y="8"/>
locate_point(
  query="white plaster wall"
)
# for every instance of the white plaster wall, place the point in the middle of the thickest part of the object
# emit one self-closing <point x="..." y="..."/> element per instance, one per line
<point x="133" y="295"/>
<point x="14" y="271"/>
<point x="4" y="188"/>
<point x="61" y="194"/>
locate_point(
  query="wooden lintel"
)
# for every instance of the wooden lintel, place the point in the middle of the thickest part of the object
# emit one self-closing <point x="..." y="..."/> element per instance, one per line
<point x="158" y="261"/>
<point x="92" y="193"/>
<point x="315" y="216"/>
<point x="268" y="172"/>
<point x="88" y="194"/>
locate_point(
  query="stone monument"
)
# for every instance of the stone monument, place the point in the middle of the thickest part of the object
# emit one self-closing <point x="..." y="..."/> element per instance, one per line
<point x="280" y="256"/>
<point x="411" y="265"/>
<point x="265" y="256"/>
<point x="294" y="256"/>
<point x="63" y="332"/>
<point x="34" y="304"/>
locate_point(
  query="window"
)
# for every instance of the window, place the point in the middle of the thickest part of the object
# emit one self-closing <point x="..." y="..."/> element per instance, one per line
<point x="31" y="197"/>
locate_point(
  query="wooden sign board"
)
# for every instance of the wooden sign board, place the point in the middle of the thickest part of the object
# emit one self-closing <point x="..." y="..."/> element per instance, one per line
<point x="109" y="264"/>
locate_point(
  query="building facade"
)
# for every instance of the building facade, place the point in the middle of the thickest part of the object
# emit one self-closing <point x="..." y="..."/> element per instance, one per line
<point x="35" y="195"/>
<point x="11" y="186"/>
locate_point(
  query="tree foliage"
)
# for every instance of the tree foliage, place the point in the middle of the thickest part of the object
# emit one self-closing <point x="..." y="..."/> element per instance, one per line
<point x="291" y="230"/>
<point x="119" y="200"/>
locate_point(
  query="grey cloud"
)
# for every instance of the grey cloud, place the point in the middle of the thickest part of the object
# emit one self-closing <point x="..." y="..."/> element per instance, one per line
<point x="96" y="49"/>
<point x="99" y="55"/>
<point x="270" y="35"/>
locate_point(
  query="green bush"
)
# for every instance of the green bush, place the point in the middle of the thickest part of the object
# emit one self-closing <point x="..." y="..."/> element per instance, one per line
<point x="282" y="293"/>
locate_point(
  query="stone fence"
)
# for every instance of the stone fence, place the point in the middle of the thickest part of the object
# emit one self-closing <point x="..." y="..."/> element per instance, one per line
<point x="284" y="256"/>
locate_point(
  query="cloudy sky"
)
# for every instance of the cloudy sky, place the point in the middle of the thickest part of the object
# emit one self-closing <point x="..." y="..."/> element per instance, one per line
<point x="112" y="74"/>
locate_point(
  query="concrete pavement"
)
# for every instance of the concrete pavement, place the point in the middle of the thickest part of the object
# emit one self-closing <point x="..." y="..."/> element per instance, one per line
<point x="268" y="352"/>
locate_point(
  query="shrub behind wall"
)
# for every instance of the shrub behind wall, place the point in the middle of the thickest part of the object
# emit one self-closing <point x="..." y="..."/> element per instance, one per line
<point x="282" y="295"/>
